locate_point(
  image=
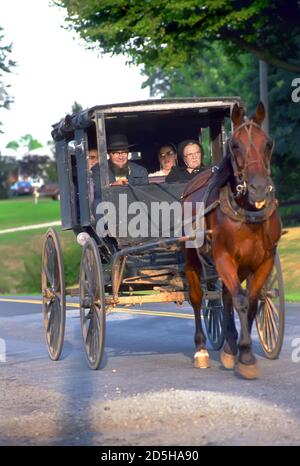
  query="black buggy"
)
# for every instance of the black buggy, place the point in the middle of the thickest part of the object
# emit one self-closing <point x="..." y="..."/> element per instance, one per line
<point x="125" y="270"/>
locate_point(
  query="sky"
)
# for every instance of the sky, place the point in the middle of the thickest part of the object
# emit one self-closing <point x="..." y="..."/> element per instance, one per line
<point x="55" y="69"/>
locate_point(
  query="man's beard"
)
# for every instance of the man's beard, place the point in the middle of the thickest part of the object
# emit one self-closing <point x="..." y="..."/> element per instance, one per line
<point x="119" y="171"/>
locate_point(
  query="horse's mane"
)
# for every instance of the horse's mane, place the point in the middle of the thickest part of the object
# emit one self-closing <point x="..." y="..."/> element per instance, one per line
<point x="223" y="174"/>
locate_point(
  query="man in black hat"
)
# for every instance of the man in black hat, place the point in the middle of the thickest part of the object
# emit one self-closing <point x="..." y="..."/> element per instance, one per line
<point x="121" y="171"/>
<point x="191" y="152"/>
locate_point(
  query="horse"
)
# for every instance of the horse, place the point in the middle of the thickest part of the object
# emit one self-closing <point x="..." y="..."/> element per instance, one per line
<point x="244" y="229"/>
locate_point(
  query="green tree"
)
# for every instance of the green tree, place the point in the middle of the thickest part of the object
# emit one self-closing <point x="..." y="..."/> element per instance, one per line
<point x="208" y="47"/>
<point x="14" y="145"/>
<point x="211" y="74"/>
<point x="76" y="107"/>
<point x="8" y="168"/>
<point x="285" y="128"/>
<point x="50" y="173"/>
<point x="169" y="33"/>
<point x="27" y="142"/>
<point x="5" y="67"/>
<point x="214" y="74"/>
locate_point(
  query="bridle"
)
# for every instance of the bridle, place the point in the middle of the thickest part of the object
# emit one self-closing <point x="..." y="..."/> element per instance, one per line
<point x="240" y="172"/>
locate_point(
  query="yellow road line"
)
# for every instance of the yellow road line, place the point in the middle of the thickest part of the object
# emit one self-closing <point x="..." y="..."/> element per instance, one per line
<point x="153" y="313"/>
<point x="26" y="301"/>
<point x="31" y="301"/>
<point x="117" y="310"/>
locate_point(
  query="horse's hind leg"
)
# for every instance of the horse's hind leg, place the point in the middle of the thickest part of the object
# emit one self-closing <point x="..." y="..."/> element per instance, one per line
<point x="230" y="349"/>
<point x="192" y="271"/>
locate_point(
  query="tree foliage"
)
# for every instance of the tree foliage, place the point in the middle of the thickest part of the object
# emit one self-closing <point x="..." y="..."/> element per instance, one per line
<point x="211" y="74"/>
<point x="28" y="142"/>
<point x="5" y="67"/>
<point x="214" y="74"/>
<point x="8" y="172"/>
<point x="76" y="107"/>
<point x="208" y="47"/>
<point x="285" y="128"/>
<point x="169" y="33"/>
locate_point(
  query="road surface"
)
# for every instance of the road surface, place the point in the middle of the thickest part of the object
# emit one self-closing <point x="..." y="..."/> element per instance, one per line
<point x="147" y="392"/>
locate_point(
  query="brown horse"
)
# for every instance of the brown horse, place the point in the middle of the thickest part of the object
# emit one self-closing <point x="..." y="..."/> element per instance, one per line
<point x="245" y="229"/>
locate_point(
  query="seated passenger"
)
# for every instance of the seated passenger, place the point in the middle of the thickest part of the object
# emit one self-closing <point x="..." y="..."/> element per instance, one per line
<point x="121" y="171"/>
<point x="167" y="157"/>
<point x="92" y="158"/>
<point x="192" y="153"/>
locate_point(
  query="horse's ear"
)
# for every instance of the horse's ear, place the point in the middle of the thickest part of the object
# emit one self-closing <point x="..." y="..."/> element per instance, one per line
<point x="237" y="115"/>
<point x="260" y="113"/>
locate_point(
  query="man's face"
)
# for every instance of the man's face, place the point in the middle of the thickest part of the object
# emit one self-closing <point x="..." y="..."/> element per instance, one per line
<point x="92" y="158"/>
<point x="119" y="158"/>
<point x="192" y="155"/>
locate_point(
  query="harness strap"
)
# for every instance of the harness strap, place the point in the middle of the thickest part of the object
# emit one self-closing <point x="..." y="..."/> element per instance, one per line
<point x="230" y="208"/>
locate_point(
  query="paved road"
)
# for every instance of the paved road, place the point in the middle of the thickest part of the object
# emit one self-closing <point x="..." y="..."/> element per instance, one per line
<point x="147" y="392"/>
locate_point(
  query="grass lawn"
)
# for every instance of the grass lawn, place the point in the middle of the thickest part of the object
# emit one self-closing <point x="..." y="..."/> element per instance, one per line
<point x="20" y="260"/>
<point x="289" y="253"/>
<point x="22" y="211"/>
<point x="20" y="252"/>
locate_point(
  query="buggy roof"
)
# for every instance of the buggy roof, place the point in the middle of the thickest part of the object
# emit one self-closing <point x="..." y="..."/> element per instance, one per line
<point x="86" y="118"/>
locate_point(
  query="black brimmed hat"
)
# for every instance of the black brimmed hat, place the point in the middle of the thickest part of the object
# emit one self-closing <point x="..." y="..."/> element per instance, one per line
<point x="118" y="142"/>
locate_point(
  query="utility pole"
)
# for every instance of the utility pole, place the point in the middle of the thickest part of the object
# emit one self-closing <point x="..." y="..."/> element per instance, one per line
<point x="263" y="92"/>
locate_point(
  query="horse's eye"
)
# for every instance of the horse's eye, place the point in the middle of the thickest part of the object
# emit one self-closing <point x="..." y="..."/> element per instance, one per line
<point x="234" y="146"/>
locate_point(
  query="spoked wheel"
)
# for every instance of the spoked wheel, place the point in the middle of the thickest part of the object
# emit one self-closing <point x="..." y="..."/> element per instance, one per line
<point x="92" y="304"/>
<point x="271" y="313"/>
<point x="213" y="315"/>
<point x="53" y="292"/>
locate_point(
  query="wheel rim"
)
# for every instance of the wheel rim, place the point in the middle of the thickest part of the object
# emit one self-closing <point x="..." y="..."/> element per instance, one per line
<point x="53" y="292"/>
<point x="270" y="315"/>
<point x="92" y="304"/>
<point x="213" y="316"/>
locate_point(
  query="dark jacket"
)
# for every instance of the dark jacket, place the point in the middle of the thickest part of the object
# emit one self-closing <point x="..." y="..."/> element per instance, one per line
<point x="137" y="175"/>
<point x="181" y="174"/>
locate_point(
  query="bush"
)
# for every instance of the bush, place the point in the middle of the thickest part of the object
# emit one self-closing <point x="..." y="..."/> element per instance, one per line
<point x="7" y="169"/>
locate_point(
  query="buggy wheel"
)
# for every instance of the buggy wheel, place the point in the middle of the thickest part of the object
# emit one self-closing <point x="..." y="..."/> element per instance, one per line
<point x="213" y="315"/>
<point x="53" y="292"/>
<point x="92" y="304"/>
<point x="270" y="316"/>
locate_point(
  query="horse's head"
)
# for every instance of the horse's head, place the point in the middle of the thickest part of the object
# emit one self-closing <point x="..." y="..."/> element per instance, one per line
<point x="251" y="149"/>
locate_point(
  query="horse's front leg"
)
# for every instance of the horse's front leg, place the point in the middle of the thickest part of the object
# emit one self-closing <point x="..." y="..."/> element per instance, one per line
<point x="192" y="271"/>
<point x="230" y="348"/>
<point x="227" y="269"/>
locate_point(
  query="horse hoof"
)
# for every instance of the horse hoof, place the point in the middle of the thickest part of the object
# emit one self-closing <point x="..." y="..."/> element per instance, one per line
<point x="248" y="372"/>
<point x="228" y="360"/>
<point x="201" y="359"/>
